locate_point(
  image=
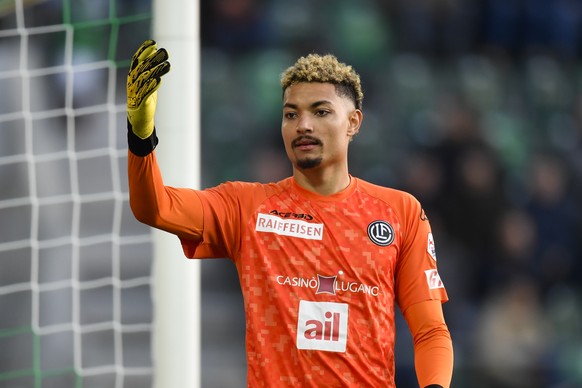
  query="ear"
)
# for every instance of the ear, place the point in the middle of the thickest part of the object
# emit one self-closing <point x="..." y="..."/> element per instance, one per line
<point x="355" y="120"/>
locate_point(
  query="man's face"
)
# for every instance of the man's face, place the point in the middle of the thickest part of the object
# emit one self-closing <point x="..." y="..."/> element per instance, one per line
<point x="317" y="125"/>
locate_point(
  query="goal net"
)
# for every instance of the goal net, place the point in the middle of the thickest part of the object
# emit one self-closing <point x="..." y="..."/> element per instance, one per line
<point x="75" y="267"/>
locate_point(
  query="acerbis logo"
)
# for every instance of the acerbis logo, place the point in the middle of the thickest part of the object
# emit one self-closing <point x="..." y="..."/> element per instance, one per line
<point x="381" y="233"/>
<point x="298" y="216"/>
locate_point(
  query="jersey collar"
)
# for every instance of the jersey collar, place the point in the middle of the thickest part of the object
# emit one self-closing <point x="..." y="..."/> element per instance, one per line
<point x="327" y="198"/>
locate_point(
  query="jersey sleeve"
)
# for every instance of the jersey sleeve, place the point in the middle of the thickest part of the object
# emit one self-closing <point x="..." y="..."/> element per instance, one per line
<point x="174" y="210"/>
<point x="433" y="348"/>
<point x="227" y="208"/>
<point x="416" y="277"/>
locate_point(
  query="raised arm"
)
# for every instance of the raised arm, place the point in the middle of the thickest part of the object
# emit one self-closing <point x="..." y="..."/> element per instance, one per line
<point x="177" y="211"/>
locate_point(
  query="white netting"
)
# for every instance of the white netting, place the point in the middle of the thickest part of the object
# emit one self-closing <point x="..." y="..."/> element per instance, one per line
<point x="75" y="304"/>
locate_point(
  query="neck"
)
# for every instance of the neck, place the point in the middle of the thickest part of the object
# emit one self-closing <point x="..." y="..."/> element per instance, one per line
<point x="322" y="181"/>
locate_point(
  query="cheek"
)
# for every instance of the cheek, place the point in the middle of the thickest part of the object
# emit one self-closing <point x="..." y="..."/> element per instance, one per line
<point x="285" y="135"/>
<point x="287" y="139"/>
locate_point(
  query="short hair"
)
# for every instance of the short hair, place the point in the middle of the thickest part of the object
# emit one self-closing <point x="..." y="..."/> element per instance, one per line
<point x="325" y="69"/>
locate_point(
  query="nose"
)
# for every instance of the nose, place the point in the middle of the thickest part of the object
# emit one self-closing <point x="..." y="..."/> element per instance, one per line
<point x="304" y="124"/>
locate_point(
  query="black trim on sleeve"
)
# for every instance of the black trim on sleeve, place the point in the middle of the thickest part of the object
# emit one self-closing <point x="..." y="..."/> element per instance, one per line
<point x="138" y="146"/>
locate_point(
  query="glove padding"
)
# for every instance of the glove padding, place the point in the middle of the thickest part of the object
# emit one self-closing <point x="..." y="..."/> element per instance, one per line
<point x="148" y="65"/>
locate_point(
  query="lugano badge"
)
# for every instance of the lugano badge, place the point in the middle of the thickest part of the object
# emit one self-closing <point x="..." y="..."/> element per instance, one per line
<point x="381" y="233"/>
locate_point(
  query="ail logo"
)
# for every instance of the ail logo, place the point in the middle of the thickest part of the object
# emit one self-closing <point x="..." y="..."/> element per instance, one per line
<point x="322" y="326"/>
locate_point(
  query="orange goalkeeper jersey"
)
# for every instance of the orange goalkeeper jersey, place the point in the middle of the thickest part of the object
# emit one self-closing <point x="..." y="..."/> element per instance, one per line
<point x="319" y="274"/>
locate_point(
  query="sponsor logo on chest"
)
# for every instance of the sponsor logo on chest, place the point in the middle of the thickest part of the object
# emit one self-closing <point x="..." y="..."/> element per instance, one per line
<point x="328" y="284"/>
<point x="322" y="326"/>
<point x="289" y="227"/>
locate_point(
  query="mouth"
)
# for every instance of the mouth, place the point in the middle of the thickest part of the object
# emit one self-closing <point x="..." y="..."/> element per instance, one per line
<point x="305" y="143"/>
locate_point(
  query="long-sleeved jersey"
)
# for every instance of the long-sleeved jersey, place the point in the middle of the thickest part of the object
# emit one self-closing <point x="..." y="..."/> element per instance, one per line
<point x="320" y="275"/>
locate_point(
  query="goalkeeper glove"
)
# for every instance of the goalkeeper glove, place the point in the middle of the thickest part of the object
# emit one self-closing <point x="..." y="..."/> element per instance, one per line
<point x="147" y="67"/>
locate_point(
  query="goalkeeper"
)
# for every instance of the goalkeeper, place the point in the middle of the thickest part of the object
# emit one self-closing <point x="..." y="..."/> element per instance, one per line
<point x="323" y="257"/>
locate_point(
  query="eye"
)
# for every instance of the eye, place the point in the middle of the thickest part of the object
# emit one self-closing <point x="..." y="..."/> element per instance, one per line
<point x="321" y="112"/>
<point x="290" y="115"/>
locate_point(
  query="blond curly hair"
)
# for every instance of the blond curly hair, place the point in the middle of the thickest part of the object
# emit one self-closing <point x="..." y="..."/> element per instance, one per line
<point x="326" y="69"/>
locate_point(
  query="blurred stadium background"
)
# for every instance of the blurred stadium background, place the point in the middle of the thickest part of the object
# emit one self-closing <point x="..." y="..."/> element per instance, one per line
<point x="474" y="106"/>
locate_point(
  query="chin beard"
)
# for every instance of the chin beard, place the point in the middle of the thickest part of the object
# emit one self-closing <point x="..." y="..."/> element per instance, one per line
<point x="308" y="163"/>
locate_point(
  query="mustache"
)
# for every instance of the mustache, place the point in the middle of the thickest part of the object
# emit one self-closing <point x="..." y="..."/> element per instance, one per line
<point x="305" y="139"/>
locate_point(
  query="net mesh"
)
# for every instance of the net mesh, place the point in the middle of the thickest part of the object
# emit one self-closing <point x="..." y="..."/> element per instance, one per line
<point x="75" y="304"/>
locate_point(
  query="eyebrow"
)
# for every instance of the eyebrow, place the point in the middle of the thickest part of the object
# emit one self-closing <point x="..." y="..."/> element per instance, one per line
<point x="312" y="105"/>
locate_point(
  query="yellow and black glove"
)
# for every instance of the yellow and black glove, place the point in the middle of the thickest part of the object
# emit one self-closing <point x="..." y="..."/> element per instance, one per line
<point x="148" y="65"/>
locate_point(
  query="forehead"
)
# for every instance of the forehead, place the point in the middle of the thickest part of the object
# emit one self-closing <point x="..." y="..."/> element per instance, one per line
<point x="305" y="93"/>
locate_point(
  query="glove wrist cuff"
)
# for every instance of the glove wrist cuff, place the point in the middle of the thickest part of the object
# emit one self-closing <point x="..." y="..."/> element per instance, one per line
<point x="139" y="146"/>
